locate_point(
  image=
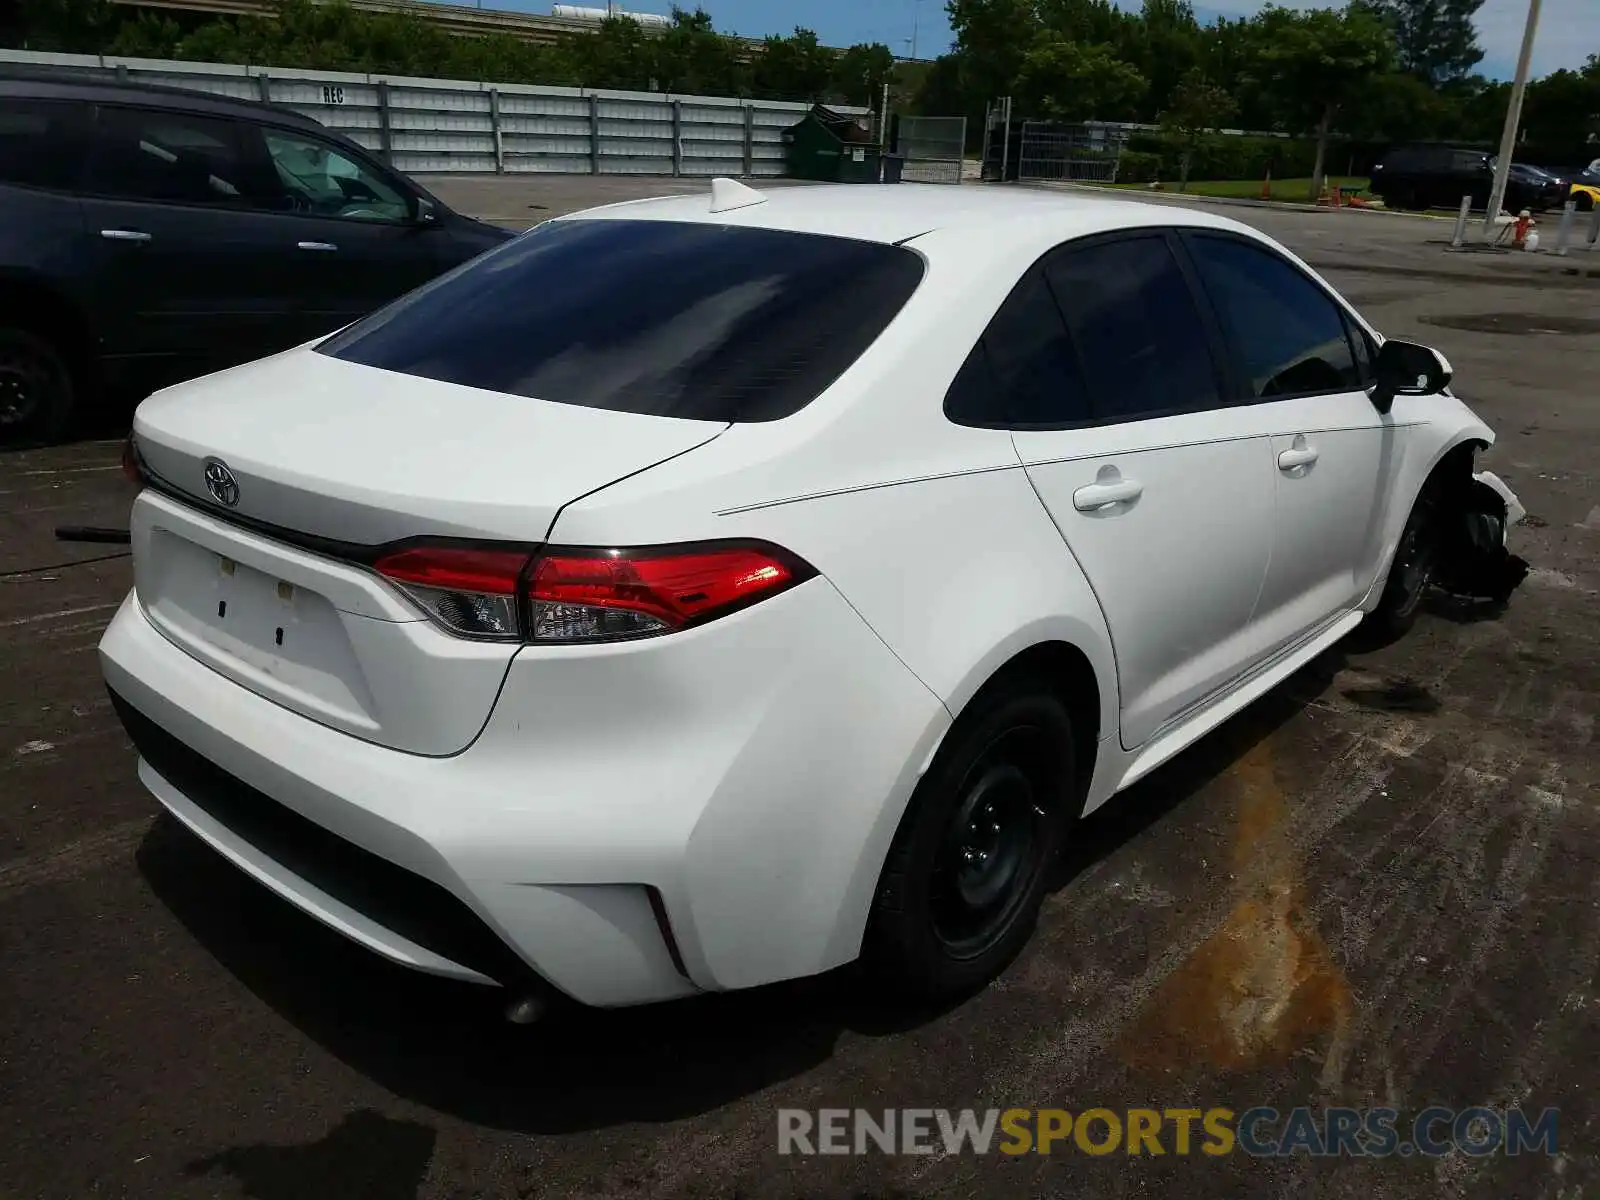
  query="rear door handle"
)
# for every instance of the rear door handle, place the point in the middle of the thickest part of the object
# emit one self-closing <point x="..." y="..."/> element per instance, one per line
<point x="125" y="235"/>
<point x="317" y="246"/>
<point x="1096" y="496"/>
<point x="1296" y="456"/>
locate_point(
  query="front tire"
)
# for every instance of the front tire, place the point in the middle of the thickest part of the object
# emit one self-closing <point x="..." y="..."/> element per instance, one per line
<point x="1416" y="560"/>
<point x="36" y="392"/>
<point x="961" y="889"/>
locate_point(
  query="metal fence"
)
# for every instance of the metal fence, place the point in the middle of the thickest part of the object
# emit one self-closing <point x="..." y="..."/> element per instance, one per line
<point x="1086" y="153"/>
<point x="934" y="148"/>
<point x="426" y="125"/>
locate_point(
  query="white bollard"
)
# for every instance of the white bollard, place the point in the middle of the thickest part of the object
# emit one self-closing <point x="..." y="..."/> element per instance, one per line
<point x="1569" y="211"/>
<point x="1461" y="223"/>
<point x="1594" y="226"/>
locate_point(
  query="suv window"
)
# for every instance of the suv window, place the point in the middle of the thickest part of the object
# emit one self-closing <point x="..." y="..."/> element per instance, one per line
<point x="319" y="179"/>
<point x="1287" y="335"/>
<point x="42" y="142"/>
<point x="1136" y="327"/>
<point x="1467" y="161"/>
<point x="670" y="318"/>
<point x="152" y="154"/>
<point x="1023" y="371"/>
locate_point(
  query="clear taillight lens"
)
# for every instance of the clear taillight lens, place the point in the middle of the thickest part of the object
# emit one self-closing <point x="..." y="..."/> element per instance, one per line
<point x="584" y="595"/>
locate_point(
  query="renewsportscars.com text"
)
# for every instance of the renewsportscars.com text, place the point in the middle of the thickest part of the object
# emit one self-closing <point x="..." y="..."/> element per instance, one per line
<point x="1259" y="1131"/>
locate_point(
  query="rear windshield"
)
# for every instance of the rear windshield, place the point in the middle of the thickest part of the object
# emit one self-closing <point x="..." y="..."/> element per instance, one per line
<point x="674" y="319"/>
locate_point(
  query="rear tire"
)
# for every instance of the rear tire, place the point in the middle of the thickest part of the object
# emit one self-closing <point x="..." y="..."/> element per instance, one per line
<point x="1416" y="560"/>
<point x="961" y="889"/>
<point x="1584" y="202"/>
<point x="36" y="391"/>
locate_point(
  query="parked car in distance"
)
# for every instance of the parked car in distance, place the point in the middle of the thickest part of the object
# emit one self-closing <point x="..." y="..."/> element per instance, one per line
<point x="1585" y="185"/>
<point x="707" y="591"/>
<point x="148" y="235"/>
<point x="1437" y="176"/>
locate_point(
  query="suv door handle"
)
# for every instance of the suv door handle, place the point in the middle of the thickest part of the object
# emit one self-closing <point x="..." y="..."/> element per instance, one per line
<point x="1096" y="496"/>
<point x="316" y="246"/>
<point x="125" y="235"/>
<point x="1296" y="456"/>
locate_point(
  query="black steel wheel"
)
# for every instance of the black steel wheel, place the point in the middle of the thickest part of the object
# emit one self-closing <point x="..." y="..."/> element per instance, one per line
<point x="36" y="392"/>
<point x="1416" y="560"/>
<point x="970" y="862"/>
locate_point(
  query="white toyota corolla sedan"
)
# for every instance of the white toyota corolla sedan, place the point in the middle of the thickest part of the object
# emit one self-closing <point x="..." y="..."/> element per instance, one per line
<point x="705" y="591"/>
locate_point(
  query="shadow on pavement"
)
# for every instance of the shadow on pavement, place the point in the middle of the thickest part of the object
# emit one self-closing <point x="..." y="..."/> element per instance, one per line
<point x="446" y="1046"/>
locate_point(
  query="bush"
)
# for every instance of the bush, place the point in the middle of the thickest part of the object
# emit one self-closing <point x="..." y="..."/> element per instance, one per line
<point x="1222" y="156"/>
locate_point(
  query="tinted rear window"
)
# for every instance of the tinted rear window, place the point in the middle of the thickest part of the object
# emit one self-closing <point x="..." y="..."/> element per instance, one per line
<point x="666" y="318"/>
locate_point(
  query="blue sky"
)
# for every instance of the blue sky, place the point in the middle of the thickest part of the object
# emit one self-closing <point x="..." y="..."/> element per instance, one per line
<point x="1569" y="30"/>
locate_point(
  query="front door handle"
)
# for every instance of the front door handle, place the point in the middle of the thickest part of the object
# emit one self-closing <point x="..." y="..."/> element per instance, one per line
<point x="125" y="235"/>
<point x="1096" y="496"/>
<point x="317" y="246"/>
<point x="1297" y="456"/>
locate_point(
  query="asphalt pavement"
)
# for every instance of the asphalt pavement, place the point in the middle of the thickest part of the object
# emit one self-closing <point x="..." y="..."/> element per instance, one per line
<point x="1380" y="885"/>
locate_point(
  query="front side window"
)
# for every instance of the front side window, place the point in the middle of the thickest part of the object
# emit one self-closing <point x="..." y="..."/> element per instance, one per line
<point x="176" y="158"/>
<point x="42" y="142"/>
<point x="667" y="318"/>
<point x="1286" y="333"/>
<point x="1139" y="335"/>
<point x="323" y="181"/>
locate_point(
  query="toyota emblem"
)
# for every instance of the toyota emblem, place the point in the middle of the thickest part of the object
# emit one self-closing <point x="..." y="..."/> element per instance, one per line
<point x="224" y="488"/>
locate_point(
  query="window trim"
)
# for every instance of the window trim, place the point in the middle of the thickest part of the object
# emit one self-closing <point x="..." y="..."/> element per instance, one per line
<point x="1341" y="310"/>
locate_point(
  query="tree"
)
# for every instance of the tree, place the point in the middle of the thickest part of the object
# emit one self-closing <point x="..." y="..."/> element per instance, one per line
<point x="1198" y="106"/>
<point x="796" y="67"/>
<point x="1313" y="63"/>
<point x="993" y="38"/>
<point x="1434" y="39"/>
<point x="1074" y="81"/>
<point x="860" y="72"/>
<point x="1563" y="109"/>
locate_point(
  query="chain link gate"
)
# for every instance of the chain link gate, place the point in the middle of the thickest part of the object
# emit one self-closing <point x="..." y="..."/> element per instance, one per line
<point x="934" y="148"/>
<point x="1052" y="152"/>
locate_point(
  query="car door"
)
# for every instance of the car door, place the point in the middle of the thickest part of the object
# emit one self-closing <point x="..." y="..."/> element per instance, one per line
<point x="189" y="264"/>
<point x="1305" y="365"/>
<point x="1162" y="493"/>
<point x="353" y="230"/>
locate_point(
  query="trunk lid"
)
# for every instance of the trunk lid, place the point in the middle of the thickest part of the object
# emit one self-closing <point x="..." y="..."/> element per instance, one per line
<point x="346" y="454"/>
<point x="351" y="453"/>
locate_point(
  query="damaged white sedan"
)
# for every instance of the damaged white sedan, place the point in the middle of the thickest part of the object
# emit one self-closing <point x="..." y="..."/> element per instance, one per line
<point x="706" y="591"/>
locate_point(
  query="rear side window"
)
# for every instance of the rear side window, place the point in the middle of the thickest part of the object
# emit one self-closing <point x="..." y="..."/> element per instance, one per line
<point x="1023" y="371"/>
<point x="1138" y="332"/>
<point x="1287" y="335"/>
<point x="707" y="322"/>
<point x="42" y="142"/>
<point x="173" y="157"/>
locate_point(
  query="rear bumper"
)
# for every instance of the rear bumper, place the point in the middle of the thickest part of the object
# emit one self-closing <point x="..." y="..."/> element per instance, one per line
<point x="635" y="823"/>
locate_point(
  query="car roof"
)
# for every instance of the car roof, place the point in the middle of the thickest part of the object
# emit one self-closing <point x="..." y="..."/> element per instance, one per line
<point x="898" y="213"/>
<point x="45" y="84"/>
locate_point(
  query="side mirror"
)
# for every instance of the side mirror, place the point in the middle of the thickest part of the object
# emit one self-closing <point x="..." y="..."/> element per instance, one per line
<point x="1407" y="369"/>
<point x="427" y="214"/>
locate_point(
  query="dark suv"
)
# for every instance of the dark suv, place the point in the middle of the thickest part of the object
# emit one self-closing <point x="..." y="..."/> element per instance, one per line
<point x="1438" y="176"/>
<point x="148" y="235"/>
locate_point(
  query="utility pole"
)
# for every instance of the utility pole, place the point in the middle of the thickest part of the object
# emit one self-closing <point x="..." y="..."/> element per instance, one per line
<point x="916" y="16"/>
<point x="1508" y="138"/>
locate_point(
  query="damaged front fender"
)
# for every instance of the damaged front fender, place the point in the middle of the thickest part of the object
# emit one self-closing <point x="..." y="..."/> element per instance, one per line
<point x="1474" y="512"/>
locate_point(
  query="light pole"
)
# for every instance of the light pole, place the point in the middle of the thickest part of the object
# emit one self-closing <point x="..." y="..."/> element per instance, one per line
<point x="1508" y="137"/>
<point x="916" y="16"/>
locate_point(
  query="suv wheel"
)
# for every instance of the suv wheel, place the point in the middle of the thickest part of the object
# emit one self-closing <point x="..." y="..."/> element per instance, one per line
<point x="36" y="394"/>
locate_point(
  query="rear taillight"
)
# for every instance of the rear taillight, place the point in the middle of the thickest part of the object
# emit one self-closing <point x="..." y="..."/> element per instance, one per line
<point x="588" y="595"/>
<point x="468" y="590"/>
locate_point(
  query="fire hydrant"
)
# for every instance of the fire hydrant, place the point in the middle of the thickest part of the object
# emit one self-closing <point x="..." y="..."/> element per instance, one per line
<point x="1519" y="236"/>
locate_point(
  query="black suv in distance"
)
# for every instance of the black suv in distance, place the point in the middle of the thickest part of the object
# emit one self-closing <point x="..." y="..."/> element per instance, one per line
<point x="1421" y="177"/>
<point x="151" y="234"/>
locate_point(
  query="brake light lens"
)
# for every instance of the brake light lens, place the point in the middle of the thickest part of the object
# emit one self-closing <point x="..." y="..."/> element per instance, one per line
<point x="470" y="591"/>
<point x="588" y="595"/>
<point x="609" y="594"/>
